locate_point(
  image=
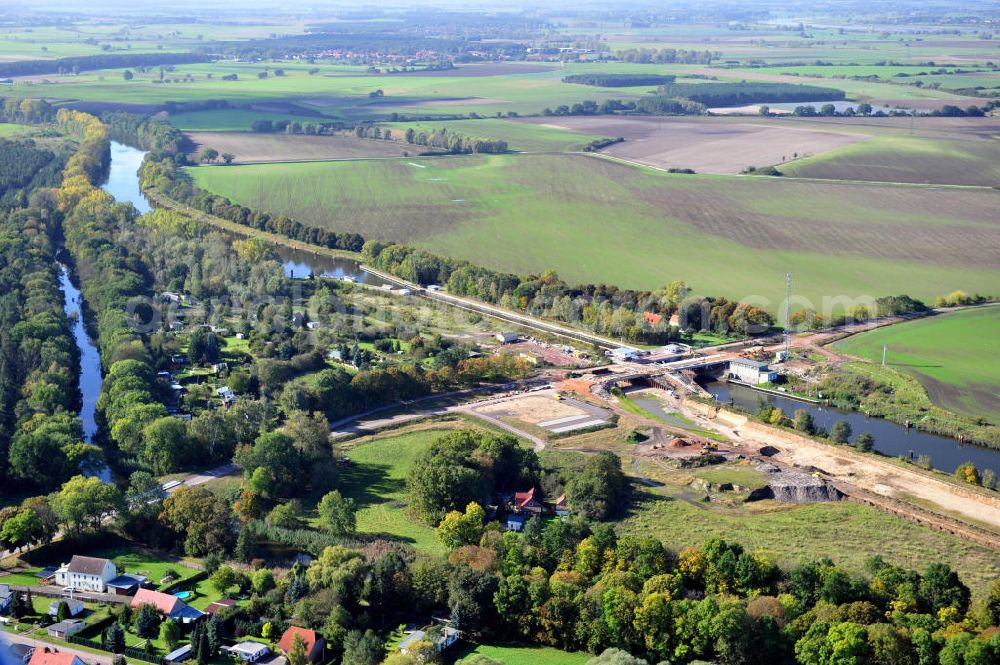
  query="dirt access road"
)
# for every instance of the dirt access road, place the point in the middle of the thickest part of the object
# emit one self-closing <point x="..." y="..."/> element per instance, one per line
<point x="850" y="467"/>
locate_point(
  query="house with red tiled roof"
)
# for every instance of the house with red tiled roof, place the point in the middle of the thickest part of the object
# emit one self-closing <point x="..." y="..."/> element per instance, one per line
<point x="169" y="606"/>
<point x="314" y="643"/>
<point x="652" y="318"/>
<point x="528" y="502"/>
<point x="52" y="656"/>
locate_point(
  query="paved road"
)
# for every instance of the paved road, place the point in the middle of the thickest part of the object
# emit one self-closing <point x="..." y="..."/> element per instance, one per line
<point x="86" y="656"/>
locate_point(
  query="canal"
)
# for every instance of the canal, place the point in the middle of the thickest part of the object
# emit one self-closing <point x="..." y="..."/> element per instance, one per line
<point x="890" y="439"/>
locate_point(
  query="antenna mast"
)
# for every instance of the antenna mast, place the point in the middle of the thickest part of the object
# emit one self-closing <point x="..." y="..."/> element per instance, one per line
<point x="788" y="314"/>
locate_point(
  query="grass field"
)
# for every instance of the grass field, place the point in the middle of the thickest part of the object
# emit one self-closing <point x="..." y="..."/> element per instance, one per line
<point x="907" y="159"/>
<point x="593" y="220"/>
<point x="248" y="147"/>
<point x="525" y="655"/>
<point x="956" y="357"/>
<point x="846" y="532"/>
<point x="10" y="129"/>
<point x="376" y="480"/>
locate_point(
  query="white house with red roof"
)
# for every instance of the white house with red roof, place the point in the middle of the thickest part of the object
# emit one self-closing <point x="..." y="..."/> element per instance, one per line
<point x="528" y="502"/>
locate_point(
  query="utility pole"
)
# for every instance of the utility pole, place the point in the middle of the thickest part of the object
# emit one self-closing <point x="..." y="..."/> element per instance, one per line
<point x="788" y="315"/>
<point x="885" y="350"/>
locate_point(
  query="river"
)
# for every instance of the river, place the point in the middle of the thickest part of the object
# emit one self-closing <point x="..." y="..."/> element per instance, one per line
<point x="890" y="439"/>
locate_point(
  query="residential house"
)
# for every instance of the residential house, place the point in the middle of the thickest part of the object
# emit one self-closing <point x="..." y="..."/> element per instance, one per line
<point x="561" y="507"/>
<point x="6" y="597"/>
<point x="18" y="654"/>
<point x="64" y="629"/>
<point x="52" y="656"/>
<point x="528" y="502"/>
<point x="652" y="318"/>
<point x="441" y="640"/>
<point x="515" y="522"/>
<point x="220" y="604"/>
<point x="314" y="643"/>
<point x="86" y="573"/>
<point x="169" y="606"/>
<point x="248" y="652"/>
<point x="75" y="606"/>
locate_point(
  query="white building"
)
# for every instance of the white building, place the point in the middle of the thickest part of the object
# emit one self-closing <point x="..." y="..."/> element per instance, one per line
<point x="86" y="573"/>
<point x="248" y="652"/>
<point x="751" y="371"/>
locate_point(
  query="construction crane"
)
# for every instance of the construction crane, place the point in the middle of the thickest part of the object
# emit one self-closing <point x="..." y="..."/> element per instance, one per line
<point x="788" y="315"/>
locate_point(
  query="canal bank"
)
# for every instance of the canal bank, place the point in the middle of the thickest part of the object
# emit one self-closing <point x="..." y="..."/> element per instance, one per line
<point x="890" y="439"/>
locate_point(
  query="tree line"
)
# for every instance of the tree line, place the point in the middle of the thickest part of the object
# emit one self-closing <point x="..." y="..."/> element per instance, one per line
<point x="80" y="63"/>
<point x="749" y="92"/>
<point x="666" y="56"/>
<point x="606" y="80"/>
<point x="41" y="437"/>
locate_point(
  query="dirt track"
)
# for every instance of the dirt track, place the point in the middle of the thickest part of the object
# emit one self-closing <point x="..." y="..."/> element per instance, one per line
<point x="865" y="471"/>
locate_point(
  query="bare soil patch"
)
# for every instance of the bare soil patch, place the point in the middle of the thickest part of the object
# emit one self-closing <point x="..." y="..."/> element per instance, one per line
<point x="250" y="148"/>
<point x="707" y="145"/>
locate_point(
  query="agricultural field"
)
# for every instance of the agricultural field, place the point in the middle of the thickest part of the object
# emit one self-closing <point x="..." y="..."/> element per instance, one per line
<point x="733" y="236"/>
<point x="913" y="159"/>
<point x="707" y="145"/>
<point x="956" y="357"/>
<point x="248" y="147"/>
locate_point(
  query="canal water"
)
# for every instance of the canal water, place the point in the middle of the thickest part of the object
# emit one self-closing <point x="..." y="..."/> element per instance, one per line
<point x="890" y="439"/>
<point x="123" y="176"/>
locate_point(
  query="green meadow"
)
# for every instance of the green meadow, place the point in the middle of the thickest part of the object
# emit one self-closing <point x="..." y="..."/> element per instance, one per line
<point x="512" y="654"/>
<point x="914" y="159"/>
<point x="376" y="480"/>
<point x="595" y="220"/>
<point x="956" y="357"/>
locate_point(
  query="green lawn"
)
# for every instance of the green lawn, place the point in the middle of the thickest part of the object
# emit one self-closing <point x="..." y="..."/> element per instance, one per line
<point x="593" y="220"/>
<point x="376" y="480"/>
<point x="11" y="129"/>
<point x="738" y="474"/>
<point x="526" y="655"/>
<point x="956" y="357"/>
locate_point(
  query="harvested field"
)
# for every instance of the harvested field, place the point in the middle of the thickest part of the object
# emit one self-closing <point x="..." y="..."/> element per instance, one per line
<point x="595" y="220"/>
<point x="250" y="148"/>
<point x="705" y="145"/>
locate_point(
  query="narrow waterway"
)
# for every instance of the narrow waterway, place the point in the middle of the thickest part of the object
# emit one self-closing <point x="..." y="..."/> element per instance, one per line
<point x="123" y="176"/>
<point x="890" y="439"/>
